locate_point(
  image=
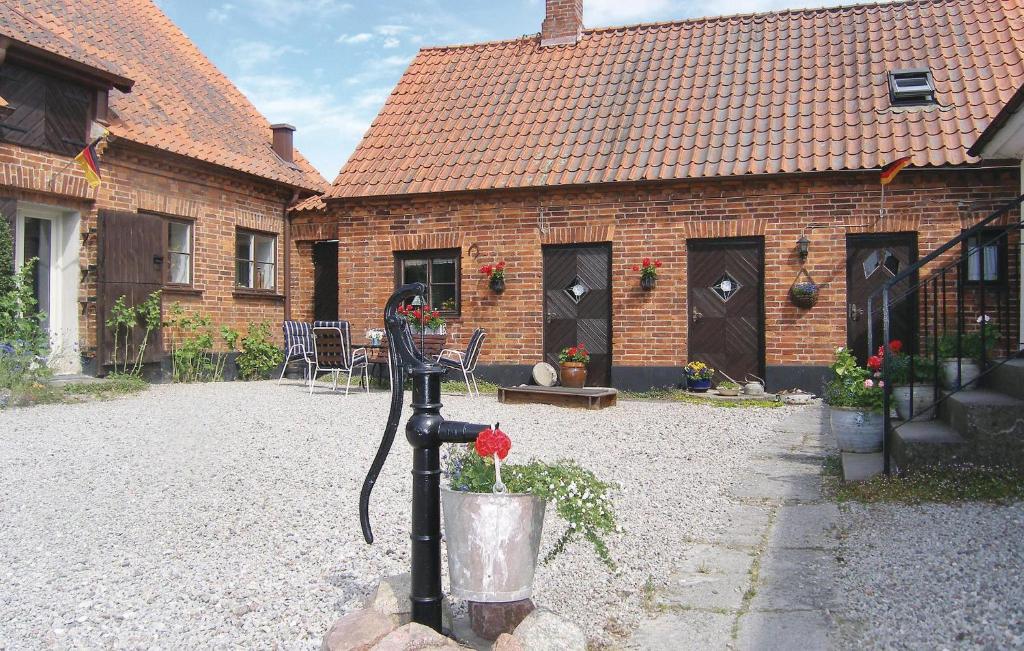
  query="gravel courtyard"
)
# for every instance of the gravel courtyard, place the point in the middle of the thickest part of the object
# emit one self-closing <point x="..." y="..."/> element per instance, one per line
<point x="225" y="515"/>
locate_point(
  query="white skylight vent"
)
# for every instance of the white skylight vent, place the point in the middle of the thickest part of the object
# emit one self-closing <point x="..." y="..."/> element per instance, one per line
<point x="913" y="86"/>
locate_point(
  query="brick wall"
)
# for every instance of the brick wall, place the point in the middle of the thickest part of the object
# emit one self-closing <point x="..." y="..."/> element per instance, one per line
<point x="563" y="20"/>
<point x="656" y="220"/>
<point x="141" y="179"/>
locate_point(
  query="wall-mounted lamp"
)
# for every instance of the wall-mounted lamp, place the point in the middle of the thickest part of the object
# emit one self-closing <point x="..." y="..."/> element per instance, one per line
<point x="803" y="247"/>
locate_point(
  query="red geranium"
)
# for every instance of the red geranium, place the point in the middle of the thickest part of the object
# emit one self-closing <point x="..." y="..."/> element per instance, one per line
<point x="875" y="362"/>
<point x="500" y="266"/>
<point x="491" y="442"/>
<point x="636" y="267"/>
<point x="646" y="262"/>
<point x="486" y="269"/>
<point x="494" y="271"/>
<point x="657" y="264"/>
<point x="895" y="345"/>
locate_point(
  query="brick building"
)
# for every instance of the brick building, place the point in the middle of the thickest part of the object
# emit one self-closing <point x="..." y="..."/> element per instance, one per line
<point x="714" y="145"/>
<point x="196" y="183"/>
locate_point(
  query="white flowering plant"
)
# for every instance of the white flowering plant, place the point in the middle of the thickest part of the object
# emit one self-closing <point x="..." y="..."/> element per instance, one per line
<point x="579" y="497"/>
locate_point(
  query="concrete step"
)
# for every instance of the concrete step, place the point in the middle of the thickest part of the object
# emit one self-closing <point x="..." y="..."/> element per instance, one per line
<point x="1008" y="378"/>
<point x="993" y="424"/>
<point x="922" y="444"/>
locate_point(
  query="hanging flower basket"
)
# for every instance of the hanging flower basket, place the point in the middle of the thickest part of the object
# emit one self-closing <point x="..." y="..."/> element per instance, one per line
<point x="496" y="276"/>
<point x="804" y="293"/>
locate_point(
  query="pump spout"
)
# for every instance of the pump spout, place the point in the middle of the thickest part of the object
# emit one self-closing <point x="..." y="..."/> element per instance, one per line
<point x="452" y="431"/>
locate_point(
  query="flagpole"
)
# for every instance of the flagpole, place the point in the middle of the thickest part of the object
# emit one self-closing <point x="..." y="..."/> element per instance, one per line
<point x="881" y="205"/>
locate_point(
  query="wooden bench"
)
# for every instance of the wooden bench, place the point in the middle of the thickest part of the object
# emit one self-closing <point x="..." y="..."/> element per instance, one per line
<point x="587" y="398"/>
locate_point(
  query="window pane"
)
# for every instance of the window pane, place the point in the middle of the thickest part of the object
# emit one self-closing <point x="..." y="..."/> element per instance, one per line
<point x="243" y="273"/>
<point x="414" y="271"/>
<point x="264" y="249"/>
<point x="243" y="246"/>
<point x="992" y="262"/>
<point x="442" y="297"/>
<point x="179" y="239"/>
<point x="973" y="261"/>
<point x="443" y="270"/>
<point x="264" y="276"/>
<point x="180" y="272"/>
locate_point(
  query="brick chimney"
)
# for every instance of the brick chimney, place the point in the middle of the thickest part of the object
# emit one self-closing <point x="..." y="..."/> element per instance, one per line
<point x="283" y="146"/>
<point x="563" y="22"/>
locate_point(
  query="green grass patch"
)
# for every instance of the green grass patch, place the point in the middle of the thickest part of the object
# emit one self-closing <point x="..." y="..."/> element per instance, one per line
<point x="459" y="387"/>
<point x="964" y="483"/>
<point x="679" y="395"/>
<point x="112" y="387"/>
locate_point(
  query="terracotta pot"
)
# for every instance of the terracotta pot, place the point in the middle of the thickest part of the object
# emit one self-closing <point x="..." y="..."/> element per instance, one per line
<point x="573" y="374"/>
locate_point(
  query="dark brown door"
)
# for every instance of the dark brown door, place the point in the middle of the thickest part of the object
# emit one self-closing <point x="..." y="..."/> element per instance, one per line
<point x="129" y="263"/>
<point x="726" y="305"/>
<point x="325" y="281"/>
<point x="871" y="261"/>
<point x="578" y="306"/>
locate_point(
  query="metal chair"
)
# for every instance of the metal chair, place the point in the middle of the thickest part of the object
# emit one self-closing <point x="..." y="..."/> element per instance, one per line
<point x="465" y="361"/>
<point x="333" y="353"/>
<point x="298" y="341"/>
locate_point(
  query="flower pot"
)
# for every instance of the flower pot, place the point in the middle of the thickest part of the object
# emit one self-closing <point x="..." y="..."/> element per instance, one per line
<point x="647" y="283"/>
<point x="970" y="370"/>
<point x="497" y="285"/>
<point x="698" y="386"/>
<point x="573" y="374"/>
<point x="805" y="297"/>
<point x="440" y="330"/>
<point x="726" y="391"/>
<point x="493" y="542"/>
<point x="857" y="430"/>
<point x="924" y="397"/>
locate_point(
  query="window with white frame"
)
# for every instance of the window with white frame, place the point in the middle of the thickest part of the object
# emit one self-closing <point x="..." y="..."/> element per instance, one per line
<point x="255" y="255"/>
<point x="179" y="252"/>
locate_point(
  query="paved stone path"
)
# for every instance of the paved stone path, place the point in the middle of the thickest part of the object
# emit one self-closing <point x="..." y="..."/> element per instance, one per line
<point x="766" y="581"/>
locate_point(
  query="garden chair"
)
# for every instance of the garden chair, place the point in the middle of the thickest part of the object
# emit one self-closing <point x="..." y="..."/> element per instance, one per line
<point x="298" y="341"/>
<point x="465" y="361"/>
<point x="333" y="353"/>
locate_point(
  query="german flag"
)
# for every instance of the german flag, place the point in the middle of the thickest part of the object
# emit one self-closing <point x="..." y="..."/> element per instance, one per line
<point x="890" y="171"/>
<point x="89" y="161"/>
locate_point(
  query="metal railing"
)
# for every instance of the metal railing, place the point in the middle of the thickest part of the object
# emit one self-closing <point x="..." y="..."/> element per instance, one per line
<point x="966" y="309"/>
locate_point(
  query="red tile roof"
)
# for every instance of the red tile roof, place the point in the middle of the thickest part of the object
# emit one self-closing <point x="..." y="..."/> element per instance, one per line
<point x="180" y="101"/>
<point x="792" y="91"/>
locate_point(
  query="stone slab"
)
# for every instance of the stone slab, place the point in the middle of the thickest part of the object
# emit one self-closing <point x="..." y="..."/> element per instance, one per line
<point x="795" y="579"/>
<point x="743" y="525"/>
<point x="689" y="630"/>
<point x="805" y="526"/>
<point x="779" y="481"/>
<point x="709" y="576"/>
<point x="783" y="631"/>
<point x="861" y="466"/>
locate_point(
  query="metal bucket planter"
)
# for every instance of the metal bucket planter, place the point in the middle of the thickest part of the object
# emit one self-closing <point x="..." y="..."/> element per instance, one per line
<point x="970" y="370"/>
<point x="857" y="430"/>
<point x="493" y="542"/>
<point x="923" y="397"/>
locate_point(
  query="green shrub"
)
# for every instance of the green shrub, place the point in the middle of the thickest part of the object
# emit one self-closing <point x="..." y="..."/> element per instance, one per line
<point x="22" y="337"/>
<point x="259" y="354"/>
<point x="852" y="384"/>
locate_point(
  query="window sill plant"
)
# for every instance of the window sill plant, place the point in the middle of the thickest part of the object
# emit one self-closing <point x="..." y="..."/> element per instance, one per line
<point x="423" y="319"/>
<point x="648" y="273"/>
<point x="573" y="361"/>
<point x="698" y="376"/>
<point x="856" y="404"/>
<point x="494" y="515"/>
<point x="496" y="276"/>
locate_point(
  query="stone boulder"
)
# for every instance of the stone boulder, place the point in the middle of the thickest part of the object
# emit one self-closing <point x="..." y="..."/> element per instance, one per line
<point x="506" y="642"/>
<point x="358" y="631"/>
<point x="415" y="637"/>
<point x="391" y="598"/>
<point x="543" y="630"/>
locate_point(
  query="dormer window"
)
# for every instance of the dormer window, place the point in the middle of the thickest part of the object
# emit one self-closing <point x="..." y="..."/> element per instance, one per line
<point x="911" y="87"/>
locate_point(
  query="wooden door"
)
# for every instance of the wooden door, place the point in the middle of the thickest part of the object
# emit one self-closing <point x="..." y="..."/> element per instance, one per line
<point x="871" y="261"/>
<point x="129" y="263"/>
<point x="578" y="306"/>
<point x="726" y="305"/>
<point x="325" y="281"/>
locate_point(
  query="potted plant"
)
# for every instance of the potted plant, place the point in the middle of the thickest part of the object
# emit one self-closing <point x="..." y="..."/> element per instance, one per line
<point x="423" y="319"/>
<point x="698" y="376"/>
<point x="496" y="275"/>
<point x="573" y="362"/>
<point x="648" y="273"/>
<point x="856" y="404"/>
<point x="912" y="378"/>
<point x="961" y="366"/>
<point x="804" y="294"/>
<point x="728" y="388"/>
<point x="494" y="514"/>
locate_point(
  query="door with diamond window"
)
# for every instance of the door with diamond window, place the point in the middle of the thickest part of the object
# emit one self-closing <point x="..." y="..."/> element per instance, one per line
<point x="871" y="261"/>
<point x="578" y="305"/>
<point x="726" y="305"/>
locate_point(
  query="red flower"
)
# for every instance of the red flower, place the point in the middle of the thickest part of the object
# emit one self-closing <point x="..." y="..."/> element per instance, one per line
<point x="435" y="314"/>
<point x="581" y="346"/>
<point x="895" y="345"/>
<point x="572" y="351"/>
<point x="501" y="265"/>
<point x="636" y="267"/>
<point x="491" y="442"/>
<point x="874" y="362"/>
<point x="657" y="264"/>
<point x="417" y="314"/>
<point x="646" y="262"/>
<point x="486" y="269"/>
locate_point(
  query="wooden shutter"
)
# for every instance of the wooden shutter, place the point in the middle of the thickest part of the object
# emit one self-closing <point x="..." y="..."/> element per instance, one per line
<point x="67" y="114"/>
<point x="129" y="263"/>
<point x="25" y="92"/>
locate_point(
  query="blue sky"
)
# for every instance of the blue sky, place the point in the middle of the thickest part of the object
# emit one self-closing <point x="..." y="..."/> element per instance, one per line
<point x="326" y="66"/>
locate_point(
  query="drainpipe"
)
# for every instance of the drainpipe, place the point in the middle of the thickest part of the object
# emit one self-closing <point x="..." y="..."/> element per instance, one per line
<point x="288" y="255"/>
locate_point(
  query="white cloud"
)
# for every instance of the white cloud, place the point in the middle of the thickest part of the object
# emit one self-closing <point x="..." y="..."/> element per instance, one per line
<point x="273" y="12"/>
<point x="219" y="14"/>
<point x="250" y="54"/>
<point x="391" y="30"/>
<point x="391" y="42"/>
<point x="352" y="39"/>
